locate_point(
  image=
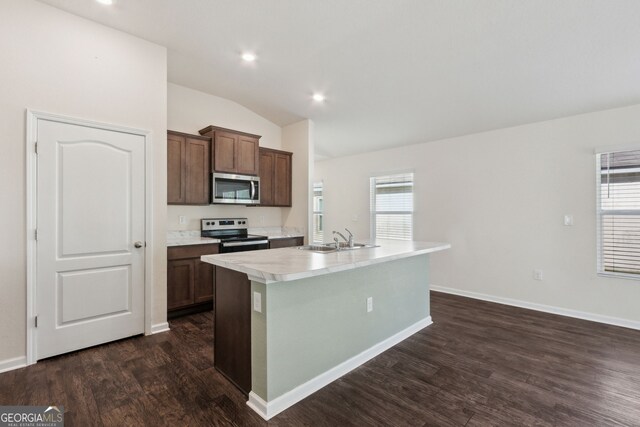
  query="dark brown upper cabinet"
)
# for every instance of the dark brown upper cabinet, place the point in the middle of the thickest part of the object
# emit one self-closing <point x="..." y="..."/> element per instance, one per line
<point x="275" y="177"/>
<point x="188" y="169"/>
<point x="233" y="151"/>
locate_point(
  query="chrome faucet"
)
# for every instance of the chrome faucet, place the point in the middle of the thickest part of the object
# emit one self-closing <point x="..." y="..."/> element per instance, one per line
<point x="350" y="237"/>
<point x="335" y="239"/>
<point x="349" y="240"/>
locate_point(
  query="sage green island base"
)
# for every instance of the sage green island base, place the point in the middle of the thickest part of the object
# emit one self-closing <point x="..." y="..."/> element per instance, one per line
<point x="309" y="328"/>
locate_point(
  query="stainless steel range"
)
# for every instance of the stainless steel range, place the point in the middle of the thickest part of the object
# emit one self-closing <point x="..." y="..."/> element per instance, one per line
<point x="233" y="234"/>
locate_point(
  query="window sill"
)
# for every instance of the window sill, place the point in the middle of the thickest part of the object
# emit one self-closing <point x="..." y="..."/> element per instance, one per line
<point x="626" y="276"/>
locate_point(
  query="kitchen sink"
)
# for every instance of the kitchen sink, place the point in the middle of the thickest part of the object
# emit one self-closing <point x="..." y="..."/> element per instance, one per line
<point x="344" y="246"/>
<point x="318" y="248"/>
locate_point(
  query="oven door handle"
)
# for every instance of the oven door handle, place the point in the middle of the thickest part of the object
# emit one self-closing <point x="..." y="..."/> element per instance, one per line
<point x="251" y="242"/>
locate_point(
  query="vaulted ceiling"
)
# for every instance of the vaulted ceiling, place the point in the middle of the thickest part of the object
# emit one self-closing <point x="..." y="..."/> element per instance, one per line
<point x="394" y="72"/>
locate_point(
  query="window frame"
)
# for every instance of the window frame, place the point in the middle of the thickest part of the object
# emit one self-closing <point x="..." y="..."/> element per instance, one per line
<point x="600" y="271"/>
<point x="315" y="212"/>
<point x="372" y="205"/>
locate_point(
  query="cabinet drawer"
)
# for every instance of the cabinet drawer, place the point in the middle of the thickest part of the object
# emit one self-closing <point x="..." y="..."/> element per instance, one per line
<point x="191" y="251"/>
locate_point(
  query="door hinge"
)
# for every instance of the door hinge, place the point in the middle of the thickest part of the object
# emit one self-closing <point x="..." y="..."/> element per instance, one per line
<point x="36" y="321"/>
<point x="35" y="234"/>
<point x="35" y="147"/>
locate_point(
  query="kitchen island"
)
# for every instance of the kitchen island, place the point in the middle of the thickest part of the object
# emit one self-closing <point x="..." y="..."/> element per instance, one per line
<point x="312" y="317"/>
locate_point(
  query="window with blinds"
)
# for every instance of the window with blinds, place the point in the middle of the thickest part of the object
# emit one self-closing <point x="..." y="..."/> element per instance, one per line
<point x="619" y="213"/>
<point x="318" y="209"/>
<point x="392" y="206"/>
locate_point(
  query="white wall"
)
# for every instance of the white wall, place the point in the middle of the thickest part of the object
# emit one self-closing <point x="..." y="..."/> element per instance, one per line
<point x="189" y="111"/>
<point x="56" y="62"/>
<point x="499" y="198"/>
<point x="298" y="138"/>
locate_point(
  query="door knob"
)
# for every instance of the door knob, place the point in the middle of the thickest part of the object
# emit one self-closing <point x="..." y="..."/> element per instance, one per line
<point x="138" y="244"/>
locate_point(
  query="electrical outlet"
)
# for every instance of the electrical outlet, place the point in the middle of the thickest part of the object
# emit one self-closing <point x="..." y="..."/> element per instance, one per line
<point x="182" y="219"/>
<point x="568" y="220"/>
<point x="354" y="218"/>
<point x="369" y="304"/>
<point x="537" y="275"/>
<point x="257" y="302"/>
<point x="261" y="219"/>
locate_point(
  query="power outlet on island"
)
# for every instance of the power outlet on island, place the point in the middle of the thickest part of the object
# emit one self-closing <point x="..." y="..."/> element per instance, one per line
<point x="537" y="275"/>
<point x="257" y="302"/>
<point x="369" y="304"/>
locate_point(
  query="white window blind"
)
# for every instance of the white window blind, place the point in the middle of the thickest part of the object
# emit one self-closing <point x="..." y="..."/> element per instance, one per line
<point x="619" y="212"/>
<point x="392" y="206"/>
<point x="318" y="209"/>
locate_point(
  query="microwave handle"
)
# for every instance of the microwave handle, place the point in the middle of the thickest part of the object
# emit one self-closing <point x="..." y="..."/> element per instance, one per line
<point x="253" y="189"/>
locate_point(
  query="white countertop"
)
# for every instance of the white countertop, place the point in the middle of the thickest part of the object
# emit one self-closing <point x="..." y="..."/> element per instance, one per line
<point x="188" y="237"/>
<point x="285" y="264"/>
<point x="192" y="241"/>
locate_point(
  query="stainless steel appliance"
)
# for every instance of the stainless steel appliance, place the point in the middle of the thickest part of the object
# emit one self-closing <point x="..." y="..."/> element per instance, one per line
<point x="235" y="189"/>
<point x="233" y="235"/>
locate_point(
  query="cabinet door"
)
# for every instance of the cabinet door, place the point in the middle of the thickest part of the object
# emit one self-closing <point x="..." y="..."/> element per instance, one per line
<point x="285" y="243"/>
<point x="176" y="171"/>
<point x="247" y="155"/>
<point x="180" y="283"/>
<point x="224" y="152"/>
<point x="205" y="282"/>
<point x="282" y="184"/>
<point x="197" y="155"/>
<point x="266" y="177"/>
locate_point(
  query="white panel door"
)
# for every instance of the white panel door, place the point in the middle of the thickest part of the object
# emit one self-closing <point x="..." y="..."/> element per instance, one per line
<point x="90" y="220"/>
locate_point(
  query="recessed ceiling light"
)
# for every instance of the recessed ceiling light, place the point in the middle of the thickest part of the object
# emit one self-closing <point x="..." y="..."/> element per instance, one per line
<point x="318" y="97"/>
<point x="248" y="57"/>
<point x="107" y="2"/>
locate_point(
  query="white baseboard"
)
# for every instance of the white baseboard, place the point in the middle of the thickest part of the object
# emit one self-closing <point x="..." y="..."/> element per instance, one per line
<point x="159" y="327"/>
<point x="272" y="408"/>
<point x="11" y="364"/>
<point x="259" y="406"/>
<point x="616" y="321"/>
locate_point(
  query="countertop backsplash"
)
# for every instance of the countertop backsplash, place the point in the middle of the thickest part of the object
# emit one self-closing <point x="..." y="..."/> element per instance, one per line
<point x="182" y="234"/>
<point x="275" y="232"/>
<point x="192" y="237"/>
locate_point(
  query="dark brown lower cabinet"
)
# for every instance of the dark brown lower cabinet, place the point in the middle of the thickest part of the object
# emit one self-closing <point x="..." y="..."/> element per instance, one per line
<point x="190" y="282"/>
<point x="286" y="242"/>
<point x="232" y="327"/>
<point x="180" y="283"/>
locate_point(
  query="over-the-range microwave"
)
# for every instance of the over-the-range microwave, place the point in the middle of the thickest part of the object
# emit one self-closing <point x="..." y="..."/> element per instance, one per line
<point x="235" y="189"/>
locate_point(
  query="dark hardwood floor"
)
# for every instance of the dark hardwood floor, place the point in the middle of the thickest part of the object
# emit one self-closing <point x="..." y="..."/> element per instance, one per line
<point x="479" y="364"/>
